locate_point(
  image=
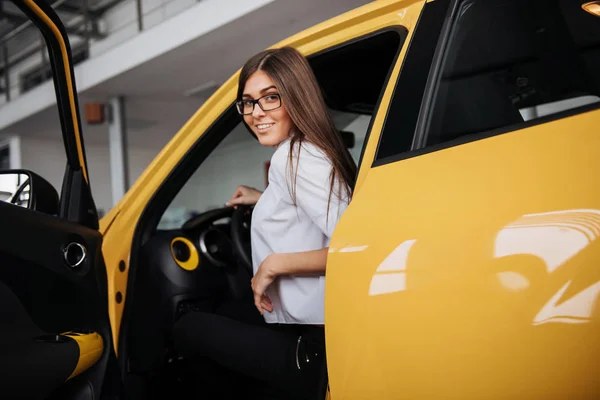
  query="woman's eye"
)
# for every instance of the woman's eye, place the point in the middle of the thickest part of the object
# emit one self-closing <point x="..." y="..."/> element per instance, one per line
<point x="247" y="103"/>
<point x="271" y="98"/>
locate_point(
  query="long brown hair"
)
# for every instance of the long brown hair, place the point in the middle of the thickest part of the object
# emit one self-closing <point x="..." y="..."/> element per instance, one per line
<point x="303" y="100"/>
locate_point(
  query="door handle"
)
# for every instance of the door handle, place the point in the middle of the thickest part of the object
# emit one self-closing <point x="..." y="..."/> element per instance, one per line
<point x="74" y="254"/>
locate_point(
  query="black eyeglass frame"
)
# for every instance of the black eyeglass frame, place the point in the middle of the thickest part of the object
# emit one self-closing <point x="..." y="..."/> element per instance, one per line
<point x="240" y="103"/>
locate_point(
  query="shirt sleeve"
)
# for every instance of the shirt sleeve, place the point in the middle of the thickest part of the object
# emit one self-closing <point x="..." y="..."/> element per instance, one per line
<point x="313" y="185"/>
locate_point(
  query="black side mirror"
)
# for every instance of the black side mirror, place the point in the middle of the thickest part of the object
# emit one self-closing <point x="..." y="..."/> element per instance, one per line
<point x="27" y="189"/>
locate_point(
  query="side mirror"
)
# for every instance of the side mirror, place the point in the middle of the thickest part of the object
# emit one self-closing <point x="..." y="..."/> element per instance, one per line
<point x="26" y="189"/>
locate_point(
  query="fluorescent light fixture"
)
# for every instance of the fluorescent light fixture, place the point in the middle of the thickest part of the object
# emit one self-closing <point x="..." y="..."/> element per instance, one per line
<point x="593" y="7"/>
<point x="204" y="90"/>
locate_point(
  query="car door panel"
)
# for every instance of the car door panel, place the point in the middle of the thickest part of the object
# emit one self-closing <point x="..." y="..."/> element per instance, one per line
<point x="476" y="278"/>
<point x="470" y="267"/>
<point x="55" y="338"/>
<point x="43" y="297"/>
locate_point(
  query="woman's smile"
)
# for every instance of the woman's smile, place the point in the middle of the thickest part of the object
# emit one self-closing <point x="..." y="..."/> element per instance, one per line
<point x="264" y="127"/>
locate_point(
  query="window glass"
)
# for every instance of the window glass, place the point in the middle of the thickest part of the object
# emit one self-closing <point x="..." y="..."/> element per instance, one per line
<point x="238" y="160"/>
<point x="241" y="160"/>
<point x="353" y="128"/>
<point x="513" y="61"/>
<point x="401" y="119"/>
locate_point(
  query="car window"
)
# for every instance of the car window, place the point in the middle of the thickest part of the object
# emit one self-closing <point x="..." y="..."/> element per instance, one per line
<point x="401" y="120"/>
<point x="353" y="128"/>
<point x="512" y="62"/>
<point x="241" y="160"/>
<point x="238" y="160"/>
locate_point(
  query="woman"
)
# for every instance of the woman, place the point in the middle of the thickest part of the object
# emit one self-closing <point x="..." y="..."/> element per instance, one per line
<point x="310" y="184"/>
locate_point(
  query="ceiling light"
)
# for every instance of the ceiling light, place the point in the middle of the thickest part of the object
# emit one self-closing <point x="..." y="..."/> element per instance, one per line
<point x="593" y="7"/>
<point x="203" y="91"/>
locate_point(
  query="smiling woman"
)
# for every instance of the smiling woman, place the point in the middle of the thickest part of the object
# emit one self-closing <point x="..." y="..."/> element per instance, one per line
<point x="310" y="185"/>
<point x="294" y="249"/>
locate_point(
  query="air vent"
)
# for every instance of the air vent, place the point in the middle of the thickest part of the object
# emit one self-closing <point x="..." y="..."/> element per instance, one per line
<point x="181" y="251"/>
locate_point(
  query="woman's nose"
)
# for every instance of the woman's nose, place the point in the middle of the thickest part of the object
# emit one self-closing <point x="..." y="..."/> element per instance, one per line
<point x="257" y="112"/>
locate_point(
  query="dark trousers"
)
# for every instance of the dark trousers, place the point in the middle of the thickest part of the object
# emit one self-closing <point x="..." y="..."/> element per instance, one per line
<point x="271" y="360"/>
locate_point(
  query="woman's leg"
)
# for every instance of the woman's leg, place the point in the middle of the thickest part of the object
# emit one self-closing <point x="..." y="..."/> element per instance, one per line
<point x="266" y="353"/>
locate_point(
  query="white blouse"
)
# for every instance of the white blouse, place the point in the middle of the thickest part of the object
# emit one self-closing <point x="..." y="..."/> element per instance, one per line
<point x="278" y="226"/>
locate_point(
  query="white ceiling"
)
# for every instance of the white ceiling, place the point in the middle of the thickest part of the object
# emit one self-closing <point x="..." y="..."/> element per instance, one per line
<point x="156" y="106"/>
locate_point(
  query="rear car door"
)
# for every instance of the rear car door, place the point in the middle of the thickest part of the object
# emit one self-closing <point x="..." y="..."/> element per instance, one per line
<point x="466" y="265"/>
<point x="55" y="337"/>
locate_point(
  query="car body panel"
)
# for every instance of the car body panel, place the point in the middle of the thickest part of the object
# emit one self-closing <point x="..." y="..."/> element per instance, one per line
<point x="482" y="293"/>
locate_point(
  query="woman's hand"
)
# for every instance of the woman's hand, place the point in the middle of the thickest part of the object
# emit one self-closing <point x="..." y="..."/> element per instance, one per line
<point x="265" y="275"/>
<point x="309" y="263"/>
<point x="244" y="195"/>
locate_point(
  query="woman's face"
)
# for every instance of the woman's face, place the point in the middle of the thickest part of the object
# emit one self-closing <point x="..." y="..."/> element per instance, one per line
<point x="271" y="127"/>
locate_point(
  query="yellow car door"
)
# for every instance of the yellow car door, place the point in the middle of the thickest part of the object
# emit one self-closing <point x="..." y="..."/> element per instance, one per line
<point x="55" y="335"/>
<point x="467" y="263"/>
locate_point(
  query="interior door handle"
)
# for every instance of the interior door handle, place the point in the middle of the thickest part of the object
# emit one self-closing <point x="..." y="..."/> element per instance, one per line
<point x="74" y="254"/>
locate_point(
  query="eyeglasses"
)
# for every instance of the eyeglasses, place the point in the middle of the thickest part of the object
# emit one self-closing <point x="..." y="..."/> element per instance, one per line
<point x="268" y="102"/>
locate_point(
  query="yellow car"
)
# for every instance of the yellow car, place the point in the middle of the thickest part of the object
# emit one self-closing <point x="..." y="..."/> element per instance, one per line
<point x="466" y="267"/>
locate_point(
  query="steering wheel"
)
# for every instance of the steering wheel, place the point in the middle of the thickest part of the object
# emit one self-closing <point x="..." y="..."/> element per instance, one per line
<point x="240" y="235"/>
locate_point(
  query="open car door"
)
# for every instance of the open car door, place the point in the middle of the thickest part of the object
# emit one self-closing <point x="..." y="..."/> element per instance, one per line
<point x="55" y="339"/>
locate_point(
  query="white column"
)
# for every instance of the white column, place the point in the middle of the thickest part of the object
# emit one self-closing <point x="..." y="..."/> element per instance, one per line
<point x="15" y="152"/>
<point x="117" y="143"/>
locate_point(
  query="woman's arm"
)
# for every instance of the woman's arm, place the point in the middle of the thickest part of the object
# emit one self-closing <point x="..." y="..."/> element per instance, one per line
<point x="301" y="263"/>
<point x="278" y="264"/>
